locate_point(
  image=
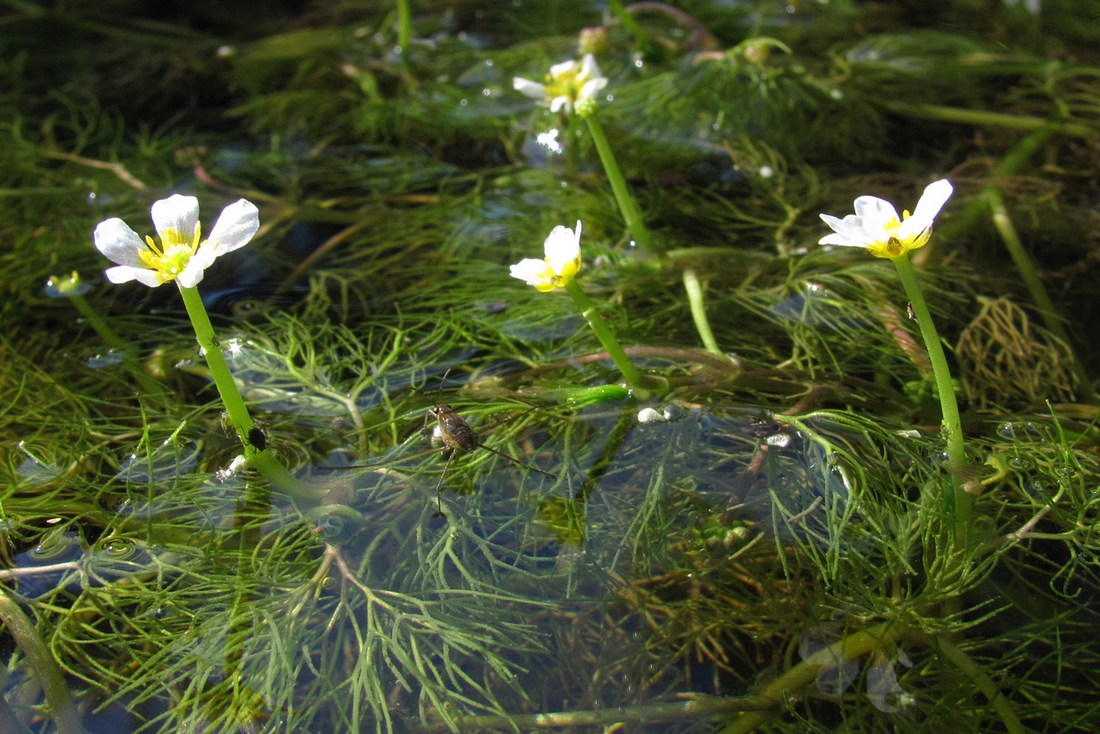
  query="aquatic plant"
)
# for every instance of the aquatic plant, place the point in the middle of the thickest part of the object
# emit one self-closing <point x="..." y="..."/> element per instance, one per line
<point x="182" y="256"/>
<point x="877" y="228"/>
<point x="760" y="543"/>
<point x="571" y="88"/>
<point x="558" y="270"/>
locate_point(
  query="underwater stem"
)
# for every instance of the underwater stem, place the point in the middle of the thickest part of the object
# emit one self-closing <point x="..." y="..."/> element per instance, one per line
<point x="984" y="118"/>
<point x="963" y="662"/>
<point x="1023" y="262"/>
<point x="627" y="206"/>
<point x="853" y="646"/>
<point x="603" y="333"/>
<point x="243" y="424"/>
<point x="253" y="508"/>
<point x="641" y="38"/>
<point x="692" y="710"/>
<point x="113" y="340"/>
<point x="699" y="311"/>
<point x="1026" y="267"/>
<point x="46" y="670"/>
<point x="962" y="502"/>
<point x="148" y="385"/>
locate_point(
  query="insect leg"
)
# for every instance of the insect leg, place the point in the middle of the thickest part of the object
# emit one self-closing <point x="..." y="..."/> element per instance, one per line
<point x="518" y="462"/>
<point x="439" y="484"/>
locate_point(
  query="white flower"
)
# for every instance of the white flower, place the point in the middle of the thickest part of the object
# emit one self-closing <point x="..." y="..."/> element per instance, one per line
<point x="182" y="255"/>
<point x="876" y="226"/>
<point x="568" y="86"/>
<point x="563" y="260"/>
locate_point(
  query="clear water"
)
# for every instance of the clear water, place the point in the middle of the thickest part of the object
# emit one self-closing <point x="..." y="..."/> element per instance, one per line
<point x="760" y="538"/>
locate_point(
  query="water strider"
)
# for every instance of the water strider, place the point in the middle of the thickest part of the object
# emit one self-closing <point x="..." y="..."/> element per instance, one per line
<point x="453" y="433"/>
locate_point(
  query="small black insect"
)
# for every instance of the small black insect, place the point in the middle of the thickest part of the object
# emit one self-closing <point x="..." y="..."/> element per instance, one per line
<point x="257" y="438"/>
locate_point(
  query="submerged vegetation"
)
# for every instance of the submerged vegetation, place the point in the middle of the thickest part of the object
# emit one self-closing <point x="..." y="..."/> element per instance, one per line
<point x="731" y="506"/>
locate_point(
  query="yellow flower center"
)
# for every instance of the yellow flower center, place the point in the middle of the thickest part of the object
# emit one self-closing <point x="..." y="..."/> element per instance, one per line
<point x="172" y="256"/>
<point x="894" y="246"/>
<point x="549" y="279"/>
<point x="566" y="84"/>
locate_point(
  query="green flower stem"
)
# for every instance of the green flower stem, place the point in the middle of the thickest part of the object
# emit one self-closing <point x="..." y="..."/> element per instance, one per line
<point x="962" y="502"/>
<point x="627" y="207"/>
<point x="699" y="311"/>
<point x="603" y="333"/>
<point x="234" y="404"/>
<point x="42" y="662"/>
<point x="404" y="27"/>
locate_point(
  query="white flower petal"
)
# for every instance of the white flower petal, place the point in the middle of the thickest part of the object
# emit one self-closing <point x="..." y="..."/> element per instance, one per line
<point x="559" y="103"/>
<point x="912" y="228"/>
<point x="529" y="270"/>
<point x="565" y="67"/>
<point x="849" y="232"/>
<point x="932" y="200"/>
<point x="176" y="219"/>
<point x="876" y="224"/>
<point x="192" y="273"/>
<point x="237" y="224"/>
<point x="121" y="273"/>
<point x="591" y="88"/>
<point x="883" y="688"/>
<point x="873" y="231"/>
<point x="840" y="240"/>
<point x="119" y="243"/>
<point x="528" y="88"/>
<point x="590" y="69"/>
<point x="124" y="274"/>
<point x="876" y="209"/>
<point x="562" y="247"/>
<point x="835" y="223"/>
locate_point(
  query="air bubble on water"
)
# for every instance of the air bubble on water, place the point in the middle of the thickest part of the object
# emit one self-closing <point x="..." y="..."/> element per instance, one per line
<point x="34" y="471"/>
<point x="110" y="358"/>
<point x="164" y="463"/>
<point x="234" y="468"/>
<point x="59" y="286"/>
<point x="883" y="689"/>
<point x="837" y="674"/>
